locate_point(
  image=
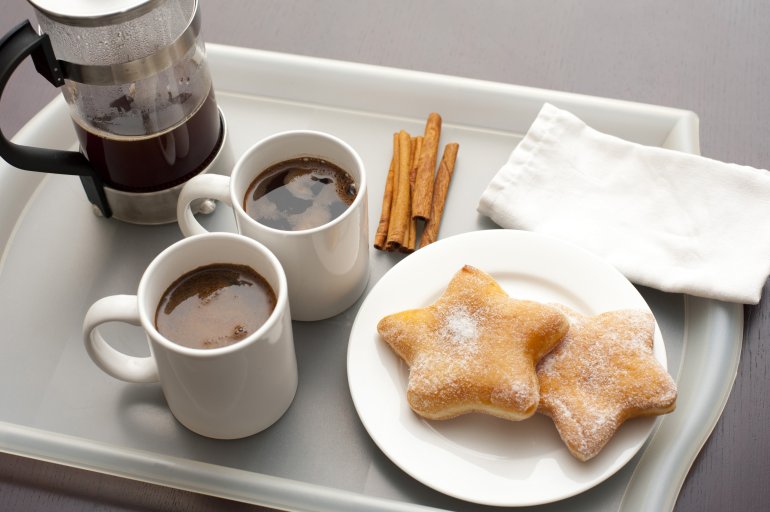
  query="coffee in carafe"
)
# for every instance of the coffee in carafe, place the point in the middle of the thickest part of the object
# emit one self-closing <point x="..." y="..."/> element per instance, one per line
<point x="135" y="78"/>
<point x="153" y="161"/>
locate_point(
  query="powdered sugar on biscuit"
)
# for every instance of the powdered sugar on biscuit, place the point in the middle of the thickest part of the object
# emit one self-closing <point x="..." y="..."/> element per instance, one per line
<point x="602" y="373"/>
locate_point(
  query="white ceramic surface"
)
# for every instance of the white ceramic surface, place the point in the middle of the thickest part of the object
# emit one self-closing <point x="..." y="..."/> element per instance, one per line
<point x="227" y="392"/>
<point x="477" y="457"/>
<point x="327" y="267"/>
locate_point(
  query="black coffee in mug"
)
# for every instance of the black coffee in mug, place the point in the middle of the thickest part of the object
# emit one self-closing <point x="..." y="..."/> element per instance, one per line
<point x="214" y="306"/>
<point x="301" y="193"/>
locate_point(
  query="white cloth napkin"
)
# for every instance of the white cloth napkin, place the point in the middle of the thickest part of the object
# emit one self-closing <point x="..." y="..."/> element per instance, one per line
<point x="668" y="220"/>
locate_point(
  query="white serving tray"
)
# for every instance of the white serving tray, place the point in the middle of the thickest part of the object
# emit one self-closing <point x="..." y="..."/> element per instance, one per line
<point x="57" y="258"/>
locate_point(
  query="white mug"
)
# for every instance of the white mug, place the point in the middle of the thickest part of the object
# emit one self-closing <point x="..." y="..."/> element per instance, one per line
<point x="227" y="392"/>
<point x="327" y="267"/>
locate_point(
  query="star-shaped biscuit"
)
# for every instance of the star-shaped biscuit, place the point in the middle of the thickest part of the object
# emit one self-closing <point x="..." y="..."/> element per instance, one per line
<point x="474" y="349"/>
<point x="601" y="374"/>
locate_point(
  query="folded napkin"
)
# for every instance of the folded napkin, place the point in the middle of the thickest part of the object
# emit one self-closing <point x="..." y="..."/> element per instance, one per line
<point x="669" y="220"/>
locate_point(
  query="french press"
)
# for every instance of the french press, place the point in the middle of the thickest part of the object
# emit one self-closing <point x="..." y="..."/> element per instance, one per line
<point x="140" y="95"/>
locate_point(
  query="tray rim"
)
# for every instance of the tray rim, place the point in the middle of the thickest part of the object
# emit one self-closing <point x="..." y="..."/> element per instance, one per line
<point x="683" y="125"/>
<point x="292" y="494"/>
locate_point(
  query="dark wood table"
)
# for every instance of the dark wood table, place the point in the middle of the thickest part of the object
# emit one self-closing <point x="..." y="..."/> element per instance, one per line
<point x="706" y="56"/>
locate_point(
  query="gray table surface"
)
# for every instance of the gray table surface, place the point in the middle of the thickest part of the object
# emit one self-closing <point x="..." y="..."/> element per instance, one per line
<point x="706" y="56"/>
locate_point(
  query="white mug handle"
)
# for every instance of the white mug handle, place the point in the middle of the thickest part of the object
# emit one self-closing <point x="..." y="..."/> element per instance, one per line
<point x="116" y="308"/>
<point x="203" y="186"/>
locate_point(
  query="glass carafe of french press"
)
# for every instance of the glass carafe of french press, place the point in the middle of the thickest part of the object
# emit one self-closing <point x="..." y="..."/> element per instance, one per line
<point x="140" y="94"/>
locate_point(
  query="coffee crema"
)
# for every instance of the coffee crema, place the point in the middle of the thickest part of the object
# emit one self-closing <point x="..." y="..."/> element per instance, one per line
<point x="214" y="306"/>
<point x="300" y="193"/>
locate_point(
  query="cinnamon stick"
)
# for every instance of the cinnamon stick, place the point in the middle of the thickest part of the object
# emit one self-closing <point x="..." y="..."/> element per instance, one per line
<point x="423" y="186"/>
<point x="381" y="235"/>
<point x="440" y="190"/>
<point x="410" y="238"/>
<point x="411" y="244"/>
<point x="416" y="150"/>
<point x="400" y="213"/>
<point x="389" y="246"/>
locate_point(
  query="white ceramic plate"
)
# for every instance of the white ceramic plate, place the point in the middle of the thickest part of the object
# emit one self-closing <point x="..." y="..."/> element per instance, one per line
<point x="480" y="458"/>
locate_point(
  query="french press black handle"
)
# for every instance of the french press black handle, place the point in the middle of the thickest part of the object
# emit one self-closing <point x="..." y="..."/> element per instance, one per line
<point x="15" y="46"/>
